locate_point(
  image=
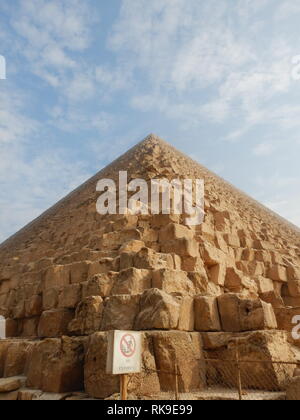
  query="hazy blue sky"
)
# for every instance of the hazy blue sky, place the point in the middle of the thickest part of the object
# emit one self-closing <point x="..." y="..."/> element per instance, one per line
<point x="86" y="79"/>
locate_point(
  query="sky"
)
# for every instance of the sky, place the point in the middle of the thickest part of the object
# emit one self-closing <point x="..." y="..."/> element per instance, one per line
<point x="87" y="79"/>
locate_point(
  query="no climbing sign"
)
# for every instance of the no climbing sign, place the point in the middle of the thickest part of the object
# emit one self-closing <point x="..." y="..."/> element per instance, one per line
<point x="124" y="352"/>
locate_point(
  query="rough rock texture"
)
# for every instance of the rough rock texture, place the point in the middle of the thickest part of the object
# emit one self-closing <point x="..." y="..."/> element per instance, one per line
<point x="72" y="272"/>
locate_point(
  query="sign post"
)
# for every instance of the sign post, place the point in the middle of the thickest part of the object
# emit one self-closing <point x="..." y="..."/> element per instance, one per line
<point x="124" y="356"/>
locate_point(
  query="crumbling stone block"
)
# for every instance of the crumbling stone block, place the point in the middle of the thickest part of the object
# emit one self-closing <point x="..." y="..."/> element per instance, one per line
<point x="207" y="314"/>
<point x="54" y="323"/>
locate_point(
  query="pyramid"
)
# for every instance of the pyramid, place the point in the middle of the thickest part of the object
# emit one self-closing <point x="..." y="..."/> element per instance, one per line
<point x="72" y="275"/>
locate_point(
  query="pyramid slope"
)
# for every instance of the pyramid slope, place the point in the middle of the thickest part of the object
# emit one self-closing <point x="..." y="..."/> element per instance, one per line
<point x="149" y="155"/>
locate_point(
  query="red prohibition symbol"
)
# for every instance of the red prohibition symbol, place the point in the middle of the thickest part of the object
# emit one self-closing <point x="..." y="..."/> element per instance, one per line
<point x="128" y="345"/>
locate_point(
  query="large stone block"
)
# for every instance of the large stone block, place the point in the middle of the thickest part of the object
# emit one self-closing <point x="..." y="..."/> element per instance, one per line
<point x="120" y="312"/>
<point x="288" y="319"/>
<point x="132" y="282"/>
<point x="183" y="349"/>
<point x="237" y="282"/>
<point x="17" y="354"/>
<point x="207" y="314"/>
<point x="158" y="311"/>
<point x="88" y="316"/>
<point x="293" y="390"/>
<point x="56" y="276"/>
<point x="173" y="281"/>
<point x="277" y="273"/>
<point x="259" y="347"/>
<point x="173" y="232"/>
<point x="99" y="285"/>
<point x="54" y="323"/>
<point x="70" y="296"/>
<point x="56" y="365"/>
<point x="183" y="247"/>
<point x="238" y="314"/>
<point x="79" y="271"/>
<point x="149" y="259"/>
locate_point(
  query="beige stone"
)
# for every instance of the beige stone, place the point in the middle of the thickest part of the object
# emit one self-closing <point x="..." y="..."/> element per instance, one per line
<point x="50" y="299"/>
<point x="183" y="349"/>
<point x="17" y="354"/>
<point x="182" y="247"/>
<point x="149" y="259"/>
<point x="173" y="232"/>
<point x="56" y="276"/>
<point x="173" y="281"/>
<point x="9" y="384"/>
<point x="96" y="382"/>
<point x="79" y="271"/>
<point x="120" y="312"/>
<point x="158" y="311"/>
<point x="236" y="282"/>
<point x="99" y="285"/>
<point x="132" y="247"/>
<point x="88" y="316"/>
<point x="132" y="282"/>
<point x="259" y="346"/>
<point x="70" y="296"/>
<point x="238" y="314"/>
<point x="293" y="390"/>
<point x="277" y="273"/>
<point x="217" y="274"/>
<point x="56" y="365"/>
<point x="54" y="323"/>
<point x="207" y="314"/>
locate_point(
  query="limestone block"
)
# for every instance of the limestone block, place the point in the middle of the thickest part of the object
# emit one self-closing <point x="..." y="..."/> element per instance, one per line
<point x="211" y="255"/>
<point x="264" y="285"/>
<point x="149" y="259"/>
<point x="238" y="314"/>
<point x="173" y="281"/>
<point x="120" y="312"/>
<point x="88" y="316"/>
<point x="50" y="299"/>
<point x="277" y="273"/>
<point x="273" y="298"/>
<point x="70" y="296"/>
<point x="258" y="345"/>
<point x="56" y="276"/>
<point x="16" y="356"/>
<point x="236" y="281"/>
<point x="28" y="327"/>
<point x="34" y="306"/>
<point x="132" y="246"/>
<point x="207" y="314"/>
<point x="56" y="365"/>
<point x="158" y="311"/>
<point x="173" y="232"/>
<point x="217" y="274"/>
<point x="114" y="240"/>
<point x="54" y="323"/>
<point x="79" y="271"/>
<point x="99" y="285"/>
<point x="182" y="247"/>
<point x="9" y="385"/>
<point x="184" y="349"/>
<point x="293" y="389"/>
<point x="132" y="282"/>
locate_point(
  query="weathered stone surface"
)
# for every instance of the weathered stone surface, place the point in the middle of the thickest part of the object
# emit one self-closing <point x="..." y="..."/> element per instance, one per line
<point x="278" y="273"/>
<point x="70" y="296"/>
<point x="120" y="312"/>
<point x="149" y="259"/>
<point x="173" y="232"/>
<point x="293" y="390"/>
<point x="132" y="246"/>
<point x="16" y="358"/>
<point x="236" y="282"/>
<point x="255" y="346"/>
<point x="207" y="314"/>
<point x="217" y="274"/>
<point x="9" y="396"/>
<point x="55" y="323"/>
<point x="56" y="276"/>
<point x="56" y="365"/>
<point x="132" y="281"/>
<point x="99" y="285"/>
<point x="172" y="281"/>
<point x="238" y="314"/>
<point x="184" y="349"/>
<point x="9" y="384"/>
<point x="88" y="316"/>
<point x="158" y="311"/>
<point x="96" y="382"/>
<point x="182" y="247"/>
<point x="50" y="299"/>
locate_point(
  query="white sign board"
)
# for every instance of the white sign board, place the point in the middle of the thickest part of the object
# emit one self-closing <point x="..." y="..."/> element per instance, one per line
<point x="124" y="352"/>
<point x="2" y="328"/>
